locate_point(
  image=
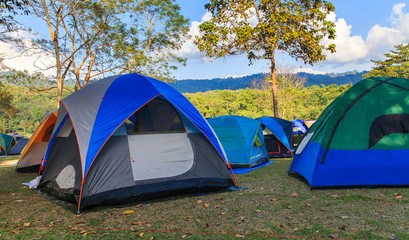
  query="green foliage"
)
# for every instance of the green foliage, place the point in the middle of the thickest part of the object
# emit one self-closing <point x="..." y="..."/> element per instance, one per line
<point x="31" y="106"/>
<point x="6" y="99"/>
<point x="396" y="64"/>
<point x="92" y="38"/>
<point x="301" y="102"/>
<point x="260" y="27"/>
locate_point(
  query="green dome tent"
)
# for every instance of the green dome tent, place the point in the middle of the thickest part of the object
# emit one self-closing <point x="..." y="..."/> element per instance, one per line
<point x="6" y="143"/>
<point x="361" y="138"/>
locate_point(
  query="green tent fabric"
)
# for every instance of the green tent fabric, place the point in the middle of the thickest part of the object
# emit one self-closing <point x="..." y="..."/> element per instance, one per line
<point x="6" y="143"/>
<point x="361" y="138"/>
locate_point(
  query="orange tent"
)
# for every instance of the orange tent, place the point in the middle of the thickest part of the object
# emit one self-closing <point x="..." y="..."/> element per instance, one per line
<point x="35" y="149"/>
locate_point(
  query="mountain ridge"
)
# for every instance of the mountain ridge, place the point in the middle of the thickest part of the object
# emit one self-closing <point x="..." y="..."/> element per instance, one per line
<point x="234" y="83"/>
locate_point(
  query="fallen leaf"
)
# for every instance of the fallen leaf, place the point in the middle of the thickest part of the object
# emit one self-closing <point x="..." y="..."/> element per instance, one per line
<point x="344" y="217"/>
<point x="137" y="223"/>
<point x="295" y="194"/>
<point x="217" y="206"/>
<point x="323" y="210"/>
<point x="336" y="196"/>
<point x="258" y="210"/>
<point x="399" y="197"/>
<point x="396" y="194"/>
<point x="289" y="217"/>
<point x="333" y="235"/>
<point x="295" y="229"/>
<point x="198" y="220"/>
<point x="206" y="204"/>
<point x="199" y="201"/>
<point x="139" y="205"/>
<point x="289" y="207"/>
<point x="343" y="228"/>
<point x="152" y="238"/>
<point x="240" y="236"/>
<point x="141" y="234"/>
<point x="274" y="199"/>
<point x="308" y="205"/>
<point x="14" y="231"/>
<point x="128" y="212"/>
<point x="79" y="222"/>
<point x="85" y="234"/>
<point x="26" y="224"/>
<point x="222" y="213"/>
<point x="207" y="225"/>
<point x="72" y="232"/>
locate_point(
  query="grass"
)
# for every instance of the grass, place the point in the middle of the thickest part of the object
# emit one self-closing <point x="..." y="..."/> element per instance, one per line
<point x="274" y="206"/>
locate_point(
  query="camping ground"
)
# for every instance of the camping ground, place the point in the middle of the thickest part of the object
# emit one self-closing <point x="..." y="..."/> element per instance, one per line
<point x="273" y="206"/>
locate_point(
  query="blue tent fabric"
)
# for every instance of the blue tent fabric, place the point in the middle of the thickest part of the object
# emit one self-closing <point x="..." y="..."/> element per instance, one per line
<point x="238" y="135"/>
<point x="16" y="150"/>
<point x="301" y="125"/>
<point x="123" y="91"/>
<point x="274" y="126"/>
<point x="111" y="157"/>
<point x="247" y="170"/>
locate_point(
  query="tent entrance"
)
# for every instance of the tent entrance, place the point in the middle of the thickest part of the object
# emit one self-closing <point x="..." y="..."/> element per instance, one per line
<point x="160" y="155"/>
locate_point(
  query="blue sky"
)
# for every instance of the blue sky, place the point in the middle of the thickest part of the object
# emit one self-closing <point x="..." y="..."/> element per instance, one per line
<point x="366" y="29"/>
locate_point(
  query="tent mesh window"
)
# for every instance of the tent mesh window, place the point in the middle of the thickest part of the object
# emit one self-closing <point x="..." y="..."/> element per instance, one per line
<point x="157" y="116"/>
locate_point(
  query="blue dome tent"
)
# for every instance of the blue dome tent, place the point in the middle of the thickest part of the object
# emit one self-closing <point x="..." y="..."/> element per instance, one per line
<point x="242" y="139"/>
<point x="278" y="136"/>
<point x="129" y="138"/>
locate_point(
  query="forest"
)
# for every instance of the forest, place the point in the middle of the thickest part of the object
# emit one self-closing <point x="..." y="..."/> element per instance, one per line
<point x="301" y="102"/>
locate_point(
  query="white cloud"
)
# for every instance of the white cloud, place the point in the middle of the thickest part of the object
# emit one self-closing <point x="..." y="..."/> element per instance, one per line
<point x="309" y="70"/>
<point x="380" y="40"/>
<point x="189" y="49"/>
<point x="24" y="58"/>
<point x="348" y="48"/>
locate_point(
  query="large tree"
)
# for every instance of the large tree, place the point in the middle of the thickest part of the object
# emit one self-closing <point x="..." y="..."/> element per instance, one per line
<point x="260" y="27"/>
<point x="94" y="38"/>
<point x="396" y="64"/>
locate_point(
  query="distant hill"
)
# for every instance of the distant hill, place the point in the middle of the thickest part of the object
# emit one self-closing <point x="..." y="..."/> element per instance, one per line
<point x="203" y="85"/>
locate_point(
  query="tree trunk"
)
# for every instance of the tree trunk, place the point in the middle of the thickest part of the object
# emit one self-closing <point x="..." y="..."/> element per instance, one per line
<point x="274" y="89"/>
<point x="60" y="88"/>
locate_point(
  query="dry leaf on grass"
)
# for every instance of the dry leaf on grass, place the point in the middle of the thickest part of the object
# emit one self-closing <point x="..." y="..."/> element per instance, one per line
<point x="206" y="204"/>
<point x="199" y="201"/>
<point x="274" y="199"/>
<point x="239" y="236"/>
<point x="333" y="235"/>
<point x="137" y="223"/>
<point x="128" y="212"/>
<point x="26" y="224"/>
<point x="295" y="194"/>
<point x="336" y="196"/>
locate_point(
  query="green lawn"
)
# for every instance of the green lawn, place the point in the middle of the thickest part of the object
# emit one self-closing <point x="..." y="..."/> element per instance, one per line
<point x="274" y="206"/>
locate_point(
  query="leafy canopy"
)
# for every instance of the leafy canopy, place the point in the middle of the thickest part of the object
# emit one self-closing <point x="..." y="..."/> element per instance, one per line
<point x="396" y="64"/>
<point x="259" y="27"/>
